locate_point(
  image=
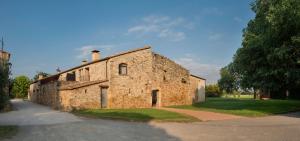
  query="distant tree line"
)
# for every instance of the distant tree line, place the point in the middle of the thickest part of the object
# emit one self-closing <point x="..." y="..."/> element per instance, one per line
<point x="269" y="60"/>
<point x="20" y="84"/>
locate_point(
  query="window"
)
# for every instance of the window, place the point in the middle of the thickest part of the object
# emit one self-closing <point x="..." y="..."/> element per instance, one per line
<point x="123" y="69"/>
<point x="71" y="76"/>
<point x="87" y="74"/>
<point x="80" y="75"/>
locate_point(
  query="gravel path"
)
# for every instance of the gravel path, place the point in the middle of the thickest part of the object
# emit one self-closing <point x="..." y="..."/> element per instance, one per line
<point x="28" y="113"/>
<point x="40" y="123"/>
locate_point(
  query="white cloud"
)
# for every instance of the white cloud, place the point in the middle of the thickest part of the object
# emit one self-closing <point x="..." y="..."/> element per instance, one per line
<point x="144" y="28"/>
<point x="209" y="71"/>
<point x="215" y="36"/>
<point x="162" y="27"/>
<point x="238" y="19"/>
<point x="156" y="19"/>
<point x="85" y="51"/>
<point x="174" y="36"/>
<point x="212" y="11"/>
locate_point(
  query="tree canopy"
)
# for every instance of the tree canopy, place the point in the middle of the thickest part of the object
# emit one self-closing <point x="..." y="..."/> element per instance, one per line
<point x="44" y="74"/>
<point x="270" y="52"/>
<point x="227" y="81"/>
<point x="21" y="86"/>
<point x="4" y="80"/>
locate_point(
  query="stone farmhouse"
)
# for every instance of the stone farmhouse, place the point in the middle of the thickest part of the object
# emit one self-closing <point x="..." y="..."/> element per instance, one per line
<point x="137" y="78"/>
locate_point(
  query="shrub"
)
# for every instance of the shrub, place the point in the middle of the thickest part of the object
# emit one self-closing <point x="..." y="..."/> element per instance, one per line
<point x="20" y="86"/>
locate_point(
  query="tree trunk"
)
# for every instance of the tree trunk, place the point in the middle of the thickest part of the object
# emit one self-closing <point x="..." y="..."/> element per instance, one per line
<point x="254" y="95"/>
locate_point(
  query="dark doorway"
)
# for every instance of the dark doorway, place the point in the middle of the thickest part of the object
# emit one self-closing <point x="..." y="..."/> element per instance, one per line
<point x="103" y="97"/>
<point x="154" y="98"/>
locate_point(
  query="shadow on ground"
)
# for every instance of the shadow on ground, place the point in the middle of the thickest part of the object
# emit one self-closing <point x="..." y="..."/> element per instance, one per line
<point x="293" y="114"/>
<point x="40" y="123"/>
<point x="250" y="107"/>
<point x="92" y="130"/>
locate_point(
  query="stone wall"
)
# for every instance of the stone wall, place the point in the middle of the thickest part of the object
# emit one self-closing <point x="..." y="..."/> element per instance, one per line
<point x="46" y="94"/>
<point x="146" y="71"/>
<point x="97" y="71"/>
<point x="134" y="89"/>
<point x="171" y="80"/>
<point x="87" y="97"/>
<point x="197" y="89"/>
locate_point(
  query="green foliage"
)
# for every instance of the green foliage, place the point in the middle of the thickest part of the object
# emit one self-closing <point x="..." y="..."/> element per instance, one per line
<point x="271" y="47"/>
<point x="8" y="131"/>
<point x="44" y="74"/>
<point x="21" y="86"/>
<point x="227" y="81"/>
<point x="4" y="80"/>
<point x="212" y="90"/>
<point x="135" y="114"/>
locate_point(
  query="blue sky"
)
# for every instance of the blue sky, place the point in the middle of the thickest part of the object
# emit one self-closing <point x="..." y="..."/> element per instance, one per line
<point x="200" y="35"/>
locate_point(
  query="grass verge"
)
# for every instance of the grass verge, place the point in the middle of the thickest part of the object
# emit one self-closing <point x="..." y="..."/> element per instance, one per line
<point x="8" y="131"/>
<point x="245" y="107"/>
<point x="136" y="115"/>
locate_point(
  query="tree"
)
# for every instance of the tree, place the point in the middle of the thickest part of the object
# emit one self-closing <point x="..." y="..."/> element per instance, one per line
<point x="270" y="49"/>
<point x="44" y="74"/>
<point x="21" y="86"/>
<point x="227" y="81"/>
<point x="4" y="80"/>
<point x="212" y="90"/>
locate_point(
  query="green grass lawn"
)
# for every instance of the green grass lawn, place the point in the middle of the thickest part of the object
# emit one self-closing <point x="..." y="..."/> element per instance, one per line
<point x="7" y="131"/>
<point x="136" y="115"/>
<point x="236" y="96"/>
<point x="245" y="107"/>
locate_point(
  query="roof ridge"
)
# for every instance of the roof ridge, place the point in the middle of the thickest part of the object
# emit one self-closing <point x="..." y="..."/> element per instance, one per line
<point x="108" y="57"/>
<point x="197" y="76"/>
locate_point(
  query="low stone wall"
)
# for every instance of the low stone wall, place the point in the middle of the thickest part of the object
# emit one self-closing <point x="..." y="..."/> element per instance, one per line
<point x="46" y="94"/>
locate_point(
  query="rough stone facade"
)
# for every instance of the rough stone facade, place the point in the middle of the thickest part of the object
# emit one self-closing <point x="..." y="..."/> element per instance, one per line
<point x="149" y="77"/>
<point x="171" y="80"/>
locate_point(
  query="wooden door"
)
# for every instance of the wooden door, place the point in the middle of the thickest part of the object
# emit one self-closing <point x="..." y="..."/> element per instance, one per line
<point x="103" y="97"/>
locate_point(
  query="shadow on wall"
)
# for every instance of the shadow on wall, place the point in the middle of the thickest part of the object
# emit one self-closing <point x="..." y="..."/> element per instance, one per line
<point x="199" y="95"/>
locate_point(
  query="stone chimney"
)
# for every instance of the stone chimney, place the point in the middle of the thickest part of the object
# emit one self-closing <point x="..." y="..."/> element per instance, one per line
<point x="40" y="76"/>
<point x="84" y="62"/>
<point x="4" y="55"/>
<point x="95" y="55"/>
